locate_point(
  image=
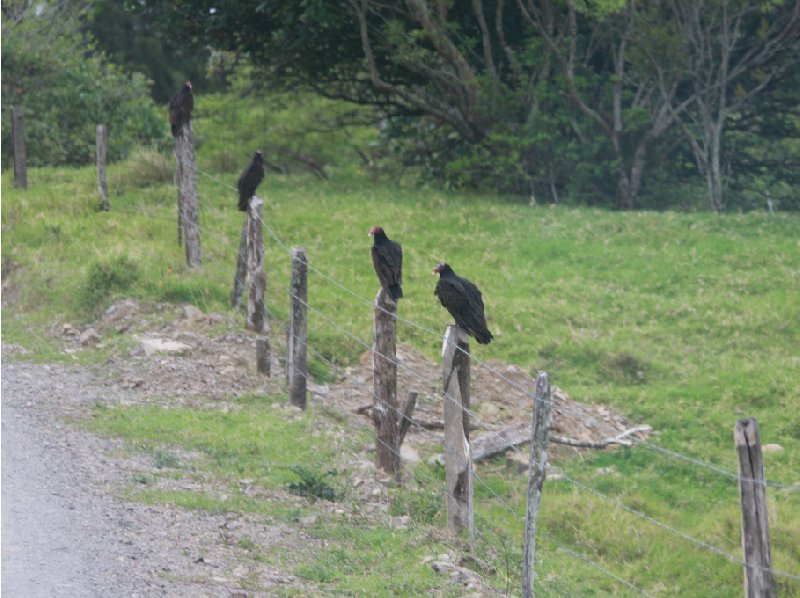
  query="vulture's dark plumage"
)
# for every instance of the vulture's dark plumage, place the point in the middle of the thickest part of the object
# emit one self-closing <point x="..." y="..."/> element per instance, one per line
<point x="387" y="257"/>
<point x="249" y="180"/>
<point x="464" y="302"/>
<point x="180" y="108"/>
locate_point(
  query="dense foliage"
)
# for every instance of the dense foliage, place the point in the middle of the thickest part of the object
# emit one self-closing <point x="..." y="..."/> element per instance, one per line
<point x="65" y="88"/>
<point x="131" y="40"/>
<point x="612" y="102"/>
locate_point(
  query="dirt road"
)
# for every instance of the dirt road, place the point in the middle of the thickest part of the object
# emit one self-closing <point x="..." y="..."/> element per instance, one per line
<point x="67" y="532"/>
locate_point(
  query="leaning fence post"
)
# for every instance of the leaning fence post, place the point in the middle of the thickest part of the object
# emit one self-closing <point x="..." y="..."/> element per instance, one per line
<point x="384" y="384"/>
<point x="241" y="269"/>
<point x="758" y="579"/>
<point x="257" y="319"/>
<point x="20" y="152"/>
<point x="188" y="202"/>
<point x="536" y="474"/>
<point x="296" y="347"/>
<point x="457" y="459"/>
<point x="101" y="147"/>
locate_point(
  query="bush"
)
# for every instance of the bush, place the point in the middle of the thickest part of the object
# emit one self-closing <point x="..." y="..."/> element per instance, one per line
<point x="146" y="166"/>
<point x="105" y="277"/>
<point x="65" y="89"/>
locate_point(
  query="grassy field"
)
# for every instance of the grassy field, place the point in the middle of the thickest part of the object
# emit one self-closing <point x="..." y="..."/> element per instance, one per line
<point x="684" y="321"/>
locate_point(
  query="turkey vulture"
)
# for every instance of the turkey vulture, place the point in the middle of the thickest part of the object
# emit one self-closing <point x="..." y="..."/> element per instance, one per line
<point x="387" y="257"/>
<point x="180" y="108"/>
<point x="249" y="180"/>
<point x="463" y="300"/>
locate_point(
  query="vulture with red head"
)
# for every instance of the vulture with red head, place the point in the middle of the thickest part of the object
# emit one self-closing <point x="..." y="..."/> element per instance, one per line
<point x="387" y="257"/>
<point x="249" y="180"/>
<point x="180" y="108"/>
<point x="464" y="302"/>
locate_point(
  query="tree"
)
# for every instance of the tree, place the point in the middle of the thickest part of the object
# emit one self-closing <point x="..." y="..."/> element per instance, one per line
<point x="733" y="50"/>
<point x="560" y="96"/>
<point x="64" y="88"/>
<point x="130" y="40"/>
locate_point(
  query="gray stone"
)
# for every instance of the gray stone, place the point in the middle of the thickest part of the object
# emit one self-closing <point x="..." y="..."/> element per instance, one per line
<point x="152" y="346"/>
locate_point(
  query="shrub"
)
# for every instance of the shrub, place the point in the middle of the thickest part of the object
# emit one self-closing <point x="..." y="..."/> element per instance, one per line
<point x="103" y="278"/>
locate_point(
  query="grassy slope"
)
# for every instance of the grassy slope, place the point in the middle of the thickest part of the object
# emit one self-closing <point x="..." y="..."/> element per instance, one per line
<point x="683" y="321"/>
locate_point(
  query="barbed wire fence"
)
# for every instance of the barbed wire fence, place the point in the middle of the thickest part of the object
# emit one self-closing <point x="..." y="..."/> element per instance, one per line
<point x="332" y="322"/>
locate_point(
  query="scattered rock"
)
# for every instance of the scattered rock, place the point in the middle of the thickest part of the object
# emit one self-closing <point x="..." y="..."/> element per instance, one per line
<point x="151" y="346"/>
<point x="69" y="330"/>
<point x="89" y="337"/>
<point x="193" y="314"/>
<point x="322" y="391"/>
<point x="308" y="521"/>
<point x="121" y="310"/>
<point x="12" y="348"/>
<point x="409" y="454"/>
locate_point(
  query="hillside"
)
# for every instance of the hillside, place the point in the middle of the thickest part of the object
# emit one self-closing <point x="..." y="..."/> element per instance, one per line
<point x="686" y="322"/>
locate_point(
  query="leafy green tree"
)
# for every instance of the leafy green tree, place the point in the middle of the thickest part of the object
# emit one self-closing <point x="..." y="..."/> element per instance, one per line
<point x="131" y="40"/>
<point x="556" y="98"/>
<point x="65" y="88"/>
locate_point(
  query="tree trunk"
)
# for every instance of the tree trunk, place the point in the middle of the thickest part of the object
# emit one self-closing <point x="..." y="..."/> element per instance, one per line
<point x="20" y="151"/>
<point x="716" y="181"/>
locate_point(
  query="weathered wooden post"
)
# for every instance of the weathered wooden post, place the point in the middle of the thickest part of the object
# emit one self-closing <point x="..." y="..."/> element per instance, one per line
<point x="384" y="384"/>
<point x="296" y="347"/>
<point x="536" y="475"/>
<point x="20" y="151"/>
<point x="188" y="202"/>
<point x="101" y="147"/>
<point x="241" y="269"/>
<point x="178" y="179"/>
<point x="405" y="417"/>
<point x="759" y="581"/>
<point x="457" y="459"/>
<point x="256" y="309"/>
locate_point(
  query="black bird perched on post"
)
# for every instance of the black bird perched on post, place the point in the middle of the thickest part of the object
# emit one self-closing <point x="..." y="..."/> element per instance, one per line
<point x="249" y="180"/>
<point x="180" y="108"/>
<point x="387" y="257"/>
<point x="464" y="302"/>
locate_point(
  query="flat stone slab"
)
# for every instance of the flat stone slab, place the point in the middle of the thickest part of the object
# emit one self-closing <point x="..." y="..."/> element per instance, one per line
<point x="151" y="346"/>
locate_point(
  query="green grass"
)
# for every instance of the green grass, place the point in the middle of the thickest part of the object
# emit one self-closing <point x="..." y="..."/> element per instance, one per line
<point x="686" y="322"/>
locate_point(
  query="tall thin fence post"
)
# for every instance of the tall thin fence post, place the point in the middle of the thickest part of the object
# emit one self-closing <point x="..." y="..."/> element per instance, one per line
<point x="759" y="581"/>
<point x="188" y="201"/>
<point x="241" y="269"/>
<point x="20" y="151"/>
<point x="536" y="474"/>
<point x="457" y="458"/>
<point x="296" y="347"/>
<point x="101" y="147"/>
<point x="384" y="383"/>
<point x="257" y="319"/>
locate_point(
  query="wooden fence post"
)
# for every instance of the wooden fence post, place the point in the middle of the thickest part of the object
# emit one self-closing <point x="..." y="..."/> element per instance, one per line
<point x="257" y="319"/>
<point x="457" y="459"/>
<point x="758" y="579"/>
<point x="241" y="269"/>
<point x="20" y="151"/>
<point x="536" y="474"/>
<point x="188" y="208"/>
<point x="384" y="384"/>
<point x="296" y="347"/>
<point x="101" y="150"/>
